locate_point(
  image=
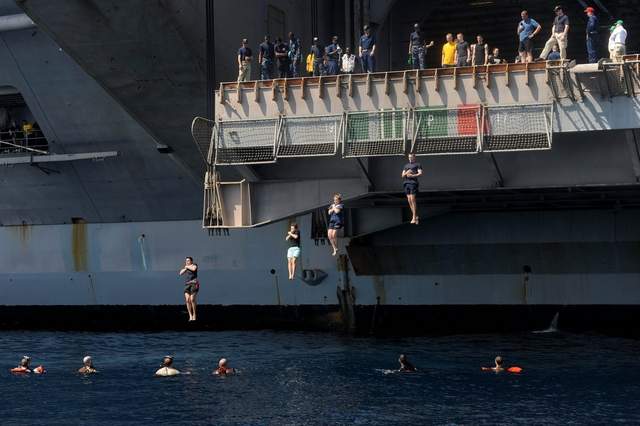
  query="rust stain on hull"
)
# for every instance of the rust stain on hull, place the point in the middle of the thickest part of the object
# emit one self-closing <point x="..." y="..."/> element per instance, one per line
<point x="79" y="245"/>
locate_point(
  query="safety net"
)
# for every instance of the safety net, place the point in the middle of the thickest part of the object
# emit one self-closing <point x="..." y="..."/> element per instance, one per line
<point x="375" y="133"/>
<point x="309" y="136"/>
<point x="437" y="131"/>
<point x="246" y="141"/>
<point x="518" y="127"/>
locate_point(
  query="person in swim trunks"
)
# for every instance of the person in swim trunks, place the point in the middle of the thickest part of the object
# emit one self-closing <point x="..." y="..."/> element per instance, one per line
<point x="87" y="367"/>
<point x="293" y="253"/>
<point x="191" y="286"/>
<point x="410" y="173"/>
<point x="336" y="221"/>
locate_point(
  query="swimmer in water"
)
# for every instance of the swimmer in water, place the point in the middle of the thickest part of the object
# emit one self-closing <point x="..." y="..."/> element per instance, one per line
<point x="24" y="366"/>
<point x="87" y="367"/>
<point x="498" y="364"/>
<point x="222" y="369"/>
<point x="405" y="365"/>
<point x="499" y="367"/>
<point x="191" y="286"/>
<point x="167" y="368"/>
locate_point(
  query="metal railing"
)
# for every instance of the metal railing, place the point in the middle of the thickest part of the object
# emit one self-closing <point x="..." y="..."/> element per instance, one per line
<point x="30" y="142"/>
<point x="468" y="129"/>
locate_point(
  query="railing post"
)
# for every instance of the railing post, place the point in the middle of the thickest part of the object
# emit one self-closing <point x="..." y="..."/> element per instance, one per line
<point x="221" y="100"/>
<point x="368" y="84"/>
<point x="256" y="92"/>
<point x="404" y="82"/>
<point x="238" y="93"/>
<point x="338" y="94"/>
<point x="350" y="85"/>
<point x="506" y="75"/>
<point x="488" y="75"/>
<point x="302" y="84"/>
<point x="455" y="78"/>
<point x="417" y="81"/>
<point x="320" y="93"/>
<point x="435" y="79"/>
<point x="386" y="83"/>
<point x="285" y="90"/>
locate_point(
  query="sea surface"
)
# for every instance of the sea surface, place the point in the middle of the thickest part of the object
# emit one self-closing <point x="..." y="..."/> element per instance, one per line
<point x="320" y="378"/>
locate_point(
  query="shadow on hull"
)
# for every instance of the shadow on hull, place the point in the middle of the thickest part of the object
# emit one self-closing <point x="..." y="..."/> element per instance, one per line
<point x="381" y="320"/>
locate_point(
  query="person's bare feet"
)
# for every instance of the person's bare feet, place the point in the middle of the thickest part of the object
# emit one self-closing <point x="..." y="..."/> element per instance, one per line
<point x="335" y="252"/>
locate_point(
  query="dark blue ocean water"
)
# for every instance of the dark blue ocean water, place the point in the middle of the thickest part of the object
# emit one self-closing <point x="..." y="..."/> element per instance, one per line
<point x="308" y="378"/>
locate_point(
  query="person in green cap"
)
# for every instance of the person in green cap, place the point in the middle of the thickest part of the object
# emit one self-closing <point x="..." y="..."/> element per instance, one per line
<point x="617" y="40"/>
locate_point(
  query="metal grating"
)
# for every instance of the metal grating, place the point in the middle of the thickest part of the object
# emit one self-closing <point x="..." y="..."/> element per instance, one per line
<point x="438" y="131"/>
<point x="310" y="136"/>
<point x="518" y="127"/>
<point x="246" y="141"/>
<point x="202" y="133"/>
<point x="377" y="133"/>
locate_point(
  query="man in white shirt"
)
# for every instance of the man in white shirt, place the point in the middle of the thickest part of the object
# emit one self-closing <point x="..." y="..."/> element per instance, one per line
<point x="348" y="61"/>
<point x="617" y="40"/>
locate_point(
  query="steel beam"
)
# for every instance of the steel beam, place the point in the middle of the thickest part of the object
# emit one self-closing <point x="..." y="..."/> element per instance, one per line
<point x="56" y="158"/>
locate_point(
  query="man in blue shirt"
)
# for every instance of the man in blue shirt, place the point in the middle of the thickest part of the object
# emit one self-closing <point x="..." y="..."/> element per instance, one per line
<point x="333" y="52"/>
<point x="295" y="54"/>
<point x="265" y="58"/>
<point x="592" y="35"/>
<point x="244" y="61"/>
<point x="318" y="58"/>
<point x="367" y="50"/>
<point x="527" y="30"/>
<point x="281" y="51"/>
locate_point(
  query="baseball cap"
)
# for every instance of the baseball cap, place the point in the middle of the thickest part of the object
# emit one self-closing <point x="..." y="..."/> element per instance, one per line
<point x="557" y="8"/>
<point x="589" y="9"/>
<point x="366" y="27"/>
<point x="619" y="22"/>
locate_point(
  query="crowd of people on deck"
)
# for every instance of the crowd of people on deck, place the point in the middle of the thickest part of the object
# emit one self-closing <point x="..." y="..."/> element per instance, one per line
<point x="284" y="58"/>
<point x="167" y="369"/>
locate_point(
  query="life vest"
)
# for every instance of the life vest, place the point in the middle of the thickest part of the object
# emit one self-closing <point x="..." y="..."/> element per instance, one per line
<point x="39" y="370"/>
<point x="310" y="58"/>
<point x="20" y="370"/>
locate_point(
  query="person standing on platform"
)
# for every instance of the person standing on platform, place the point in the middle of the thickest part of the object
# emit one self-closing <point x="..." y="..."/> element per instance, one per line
<point x="617" y="42"/>
<point x="244" y="61"/>
<point x="463" y="51"/>
<point x="281" y="51"/>
<point x="332" y="52"/>
<point x="293" y="253"/>
<point x="265" y="58"/>
<point x="528" y="28"/>
<point x="336" y="221"/>
<point x="295" y="55"/>
<point x="367" y="50"/>
<point x="495" y="57"/>
<point x="317" y="54"/>
<point x="559" y="34"/>
<point x="418" y="48"/>
<point x="479" y="52"/>
<point x="348" y="61"/>
<point x="449" y="52"/>
<point x="554" y="55"/>
<point x="410" y="173"/>
<point x="592" y="35"/>
<point x="191" y="286"/>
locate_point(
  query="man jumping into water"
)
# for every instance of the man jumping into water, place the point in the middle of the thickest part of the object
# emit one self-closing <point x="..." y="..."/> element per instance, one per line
<point x="191" y="286"/>
<point x="410" y="173"/>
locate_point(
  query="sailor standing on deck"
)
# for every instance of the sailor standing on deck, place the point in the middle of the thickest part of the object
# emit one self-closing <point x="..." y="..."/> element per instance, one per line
<point x="191" y="286"/>
<point x="410" y="173"/>
<point x="592" y="35"/>
<point x="617" y="42"/>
